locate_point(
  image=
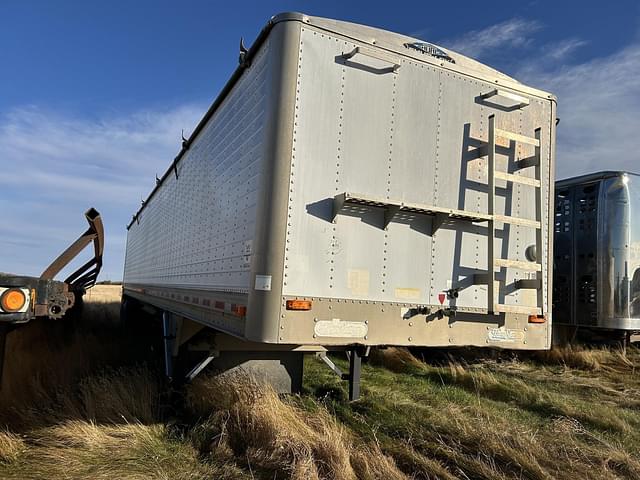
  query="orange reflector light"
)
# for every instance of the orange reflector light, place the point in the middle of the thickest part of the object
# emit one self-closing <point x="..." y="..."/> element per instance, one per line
<point x="298" y="304"/>
<point x="537" y="318"/>
<point x="13" y="300"/>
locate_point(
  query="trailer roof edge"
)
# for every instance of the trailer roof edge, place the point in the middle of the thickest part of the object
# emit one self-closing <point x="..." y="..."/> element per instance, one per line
<point x="282" y="17"/>
<point x="592" y="177"/>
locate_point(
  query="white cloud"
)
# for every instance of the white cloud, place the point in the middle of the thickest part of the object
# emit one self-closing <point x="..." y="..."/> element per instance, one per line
<point x="598" y="100"/>
<point x="512" y="33"/>
<point x="561" y="50"/>
<point x="57" y="166"/>
<point x="599" y="108"/>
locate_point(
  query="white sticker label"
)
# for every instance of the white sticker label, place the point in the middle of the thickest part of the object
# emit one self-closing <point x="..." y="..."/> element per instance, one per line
<point x="263" y="282"/>
<point x="505" y="335"/>
<point x="340" y="329"/>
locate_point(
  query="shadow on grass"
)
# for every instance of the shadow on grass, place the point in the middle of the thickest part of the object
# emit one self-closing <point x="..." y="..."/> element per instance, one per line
<point x="80" y="367"/>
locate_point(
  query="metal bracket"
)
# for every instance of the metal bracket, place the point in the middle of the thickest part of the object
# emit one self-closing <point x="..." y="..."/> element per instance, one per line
<point x="195" y="371"/>
<point x="334" y="368"/>
<point x="528" y="283"/>
<point x="389" y="213"/>
<point x="85" y="276"/>
<point x="447" y="312"/>
<point x="438" y="221"/>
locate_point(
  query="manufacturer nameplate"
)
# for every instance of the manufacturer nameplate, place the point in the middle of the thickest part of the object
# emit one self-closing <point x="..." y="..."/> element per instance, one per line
<point x="340" y="329"/>
<point x="505" y="335"/>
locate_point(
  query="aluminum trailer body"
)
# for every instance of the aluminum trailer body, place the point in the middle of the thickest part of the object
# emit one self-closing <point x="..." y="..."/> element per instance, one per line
<point x="352" y="186"/>
<point x="597" y="252"/>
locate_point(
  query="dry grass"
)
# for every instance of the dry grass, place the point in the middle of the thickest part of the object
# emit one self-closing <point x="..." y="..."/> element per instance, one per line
<point x="11" y="447"/>
<point x="80" y="405"/>
<point x="503" y="418"/>
<point x="586" y="358"/>
<point x="277" y="438"/>
<point x="398" y="360"/>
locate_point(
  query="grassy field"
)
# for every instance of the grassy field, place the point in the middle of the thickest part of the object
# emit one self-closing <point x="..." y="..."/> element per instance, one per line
<point x="82" y="400"/>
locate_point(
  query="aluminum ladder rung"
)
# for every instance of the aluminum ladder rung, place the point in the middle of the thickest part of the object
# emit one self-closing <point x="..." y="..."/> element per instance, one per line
<point x="510" y="177"/>
<point x="517" y="137"/>
<point x="525" y="222"/>
<point x="519" y="264"/>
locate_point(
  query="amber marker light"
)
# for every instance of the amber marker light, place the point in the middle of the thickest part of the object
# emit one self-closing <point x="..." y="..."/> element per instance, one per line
<point x="239" y="310"/>
<point x="12" y="300"/>
<point x="537" y="318"/>
<point x="299" y="305"/>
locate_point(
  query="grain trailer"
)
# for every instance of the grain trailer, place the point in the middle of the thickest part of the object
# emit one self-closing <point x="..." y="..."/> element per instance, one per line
<point x="351" y="187"/>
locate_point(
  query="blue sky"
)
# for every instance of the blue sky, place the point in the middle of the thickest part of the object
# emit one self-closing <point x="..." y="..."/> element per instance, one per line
<point x="94" y="94"/>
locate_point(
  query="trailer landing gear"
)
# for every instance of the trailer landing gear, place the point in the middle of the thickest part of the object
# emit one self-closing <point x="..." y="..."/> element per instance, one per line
<point x="355" y="356"/>
<point x="189" y="348"/>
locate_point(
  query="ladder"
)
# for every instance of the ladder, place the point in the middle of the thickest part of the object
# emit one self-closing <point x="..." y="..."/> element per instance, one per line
<point x="492" y="261"/>
<point x="393" y="207"/>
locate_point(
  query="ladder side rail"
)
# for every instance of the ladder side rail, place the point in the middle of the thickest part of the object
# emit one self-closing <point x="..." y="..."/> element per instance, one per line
<point x="491" y="232"/>
<point x="539" y="231"/>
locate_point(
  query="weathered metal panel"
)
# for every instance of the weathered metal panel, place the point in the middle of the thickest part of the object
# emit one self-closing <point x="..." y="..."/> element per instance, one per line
<point x="407" y="135"/>
<point x="383" y="120"/>
<point x="197" y="230"/>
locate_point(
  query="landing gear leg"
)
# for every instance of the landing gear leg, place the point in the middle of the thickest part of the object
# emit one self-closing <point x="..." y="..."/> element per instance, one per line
<point x="169" y="331"/>
<point x="355" y="356"/>
<point x="355" y="366"/>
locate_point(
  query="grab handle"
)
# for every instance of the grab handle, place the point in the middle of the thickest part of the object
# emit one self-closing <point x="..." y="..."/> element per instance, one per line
<point x="504" y="100"/>
<point x="375" y="55"/>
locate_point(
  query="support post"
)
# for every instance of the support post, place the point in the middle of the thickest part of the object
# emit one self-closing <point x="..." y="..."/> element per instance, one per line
<point x="169" y="337"/>
<point x="355" y="366"/>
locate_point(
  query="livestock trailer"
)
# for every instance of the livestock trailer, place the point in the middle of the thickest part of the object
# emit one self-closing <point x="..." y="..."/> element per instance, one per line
<point x="597" y="254"/>
<point x="352" y="187"/>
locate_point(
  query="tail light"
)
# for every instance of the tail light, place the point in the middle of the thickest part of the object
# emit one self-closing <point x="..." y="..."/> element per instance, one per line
<point x="13" y="300"/>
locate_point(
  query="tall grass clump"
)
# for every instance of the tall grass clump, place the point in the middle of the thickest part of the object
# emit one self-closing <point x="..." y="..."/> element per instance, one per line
<point x="245" y="420"/>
